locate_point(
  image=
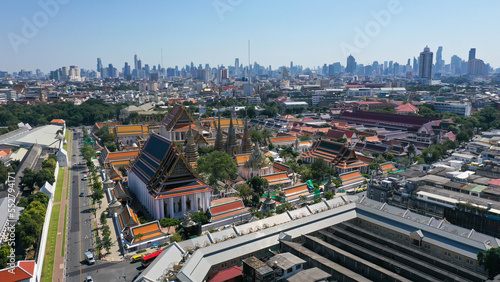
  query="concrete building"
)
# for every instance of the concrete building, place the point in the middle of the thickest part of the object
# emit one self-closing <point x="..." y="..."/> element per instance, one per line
<point x="459" y="108"/>
<point x="349" y="238"/>
<point x="425" y="67"/>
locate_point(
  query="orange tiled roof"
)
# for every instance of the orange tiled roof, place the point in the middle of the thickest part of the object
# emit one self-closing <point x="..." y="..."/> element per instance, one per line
<point x="295" y="189"/>
<point x="58" y="121"/>
<point x="276" y="176"/>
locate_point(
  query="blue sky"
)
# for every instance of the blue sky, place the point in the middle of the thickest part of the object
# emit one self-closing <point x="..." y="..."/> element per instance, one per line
<point x="309" y="33"/>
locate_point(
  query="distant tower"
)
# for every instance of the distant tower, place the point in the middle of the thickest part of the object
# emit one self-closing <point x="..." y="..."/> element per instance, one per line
<point x="351" y="65"/>
<point x="99" y="65"/>
<point x="231" y="143"/>
<point x="191" y="151"/>
<point x="425" y="68"/>
<point x="219" y="142"/>
<point x="246" y="143"/>
<point x="472" y="54"/>
<point x="135" y="62"/>
<point x="439" y="59"/>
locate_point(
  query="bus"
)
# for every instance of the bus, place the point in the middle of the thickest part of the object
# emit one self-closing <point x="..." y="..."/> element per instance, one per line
<point x="146" y="260"/>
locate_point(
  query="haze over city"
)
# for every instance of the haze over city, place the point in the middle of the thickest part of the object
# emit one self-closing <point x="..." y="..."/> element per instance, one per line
<point x="216" y="32"/>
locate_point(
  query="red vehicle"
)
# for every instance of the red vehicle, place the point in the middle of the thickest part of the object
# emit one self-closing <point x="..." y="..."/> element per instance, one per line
<point x="145" y="261"/>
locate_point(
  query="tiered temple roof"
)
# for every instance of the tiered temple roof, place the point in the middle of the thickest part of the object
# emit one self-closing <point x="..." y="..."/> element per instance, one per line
<point x="338" y="155"/>
<point x="179" y="119"/>
<point x="165" y="171"/>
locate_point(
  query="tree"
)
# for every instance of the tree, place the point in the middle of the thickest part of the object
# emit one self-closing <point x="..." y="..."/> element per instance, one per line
<point x="329" y="195"/>
<point x="490" y="260"/>
<point x="88" y="152"/>
<point x="283" y="208"/>
<point x="302" y="198"/>
<point x="244" y="192"/>
<point x="256" y="136"/>
<point x="49" y="164"/>
<point x="29" y="178"/>
<point x="167" y="222"/>
<point x="320" y="169"/>
<point x="43" y="176"/>
<point x="271" y="146"/>
<point x="258" y="184"/>
<point x="205" y="150"/>
<point x="305" y="137"/>
<point x="4" y="253"/>
<point x="111" y="146"/>
<point x="200" y="217"/>
<point x="462" y="136"/>
<point x="103" y="218"/>
<point x="218" y="165"/>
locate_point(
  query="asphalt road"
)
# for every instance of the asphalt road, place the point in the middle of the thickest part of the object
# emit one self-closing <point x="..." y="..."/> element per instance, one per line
<point x="80" y="236"/>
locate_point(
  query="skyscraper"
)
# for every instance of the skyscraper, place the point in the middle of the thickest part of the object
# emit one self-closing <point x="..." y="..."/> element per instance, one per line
<point x="439" y="59"/>
<point x="351" y="65"/>
<point x="425" y="68"/>
<point x="126" y="71"/>
<point x="135" y="62"/>
<point x="99" y="65"/>
<point x="472" y="54"/>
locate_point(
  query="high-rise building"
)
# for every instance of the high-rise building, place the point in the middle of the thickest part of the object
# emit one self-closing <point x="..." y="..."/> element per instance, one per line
<point x="351" y="65"/>
<point x="475" y="67"/>
<point x="425" y="70"/>
<point x="415" y="65"/>
<point x="135" y="62"/>
<point x="126" y="71"/>
<point x="99" y="65"/>
<point x="222" y="74"/>
<point x="456" y="63"/>
<point x="439" y="60"/>
<point x="472" y="54"/>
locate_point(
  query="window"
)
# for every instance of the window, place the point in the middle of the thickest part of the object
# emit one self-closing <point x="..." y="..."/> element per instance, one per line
<point x="214" y="268"/>
<point x="400" y="237"/>
<point x="427" y="246"/>
<point x="458" y="258"/>
<point x="375" y="227"/>
<point x="391" y="234"/>
<point x="469" y="262"/>
<point x="447" y="254"/>
<point x="289" y="270"/>
<point x="437" y="250"/>
<point x="407" y="238"/>
<point x="233" y="262"/>
<point x="384" y="231"/>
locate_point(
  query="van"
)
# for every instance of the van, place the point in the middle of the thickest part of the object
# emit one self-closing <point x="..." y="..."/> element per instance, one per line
<point x="89" y="257"/>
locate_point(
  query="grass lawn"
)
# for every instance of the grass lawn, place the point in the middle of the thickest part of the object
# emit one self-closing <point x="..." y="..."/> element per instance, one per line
<point x="48" y="264"/>
<point x="64" y="230"/>
<point x="59" y="185"/>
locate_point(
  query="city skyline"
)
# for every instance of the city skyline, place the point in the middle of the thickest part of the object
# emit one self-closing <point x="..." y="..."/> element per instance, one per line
<point x="218" y="32"/>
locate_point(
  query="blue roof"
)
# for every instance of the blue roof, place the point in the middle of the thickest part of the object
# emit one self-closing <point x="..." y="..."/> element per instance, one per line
<point x="150" y="158"/>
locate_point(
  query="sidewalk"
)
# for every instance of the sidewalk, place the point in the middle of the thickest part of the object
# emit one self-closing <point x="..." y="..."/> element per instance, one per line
<point x="60" y="261"/>
<point x="115" y="253"/>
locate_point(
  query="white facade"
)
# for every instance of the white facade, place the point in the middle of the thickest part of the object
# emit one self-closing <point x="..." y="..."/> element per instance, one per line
<point x="173" y="207"/>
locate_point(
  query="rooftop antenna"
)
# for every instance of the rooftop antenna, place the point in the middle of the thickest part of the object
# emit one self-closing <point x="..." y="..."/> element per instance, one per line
<point x="249" y="66"/>
<point x="162" y="59"/>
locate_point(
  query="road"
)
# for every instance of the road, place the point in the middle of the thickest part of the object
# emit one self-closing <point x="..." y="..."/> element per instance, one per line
<point x="80" y="236"/>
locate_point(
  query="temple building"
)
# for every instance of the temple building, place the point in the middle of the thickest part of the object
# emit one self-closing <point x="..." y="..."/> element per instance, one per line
<point x="164" y="182"/>
<point x="176" y="125"/>
<point x="257" y="164"/>
<point x="337" y="155"/>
